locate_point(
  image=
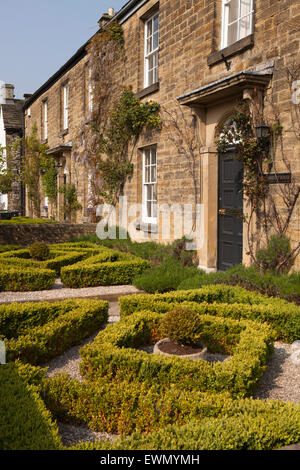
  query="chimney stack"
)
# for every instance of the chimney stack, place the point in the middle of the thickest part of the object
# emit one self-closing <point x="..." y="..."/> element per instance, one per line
<point x="7" y="94"/>
<point x="105" y="18"/>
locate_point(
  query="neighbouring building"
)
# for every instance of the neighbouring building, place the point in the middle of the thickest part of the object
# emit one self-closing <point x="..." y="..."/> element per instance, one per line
<point x="196" y="58"/>
<point x="11" y="130"/>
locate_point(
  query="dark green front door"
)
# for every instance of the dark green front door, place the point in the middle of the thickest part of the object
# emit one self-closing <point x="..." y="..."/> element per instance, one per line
<point x="230" y="212"/>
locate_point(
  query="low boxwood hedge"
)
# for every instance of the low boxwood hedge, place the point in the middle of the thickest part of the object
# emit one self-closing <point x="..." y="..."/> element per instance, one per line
<point x="25" y="423"/>
<point x="17" y="278"/>
<point x="111" y="354"/>
<point x="243" y="432"/>
<point x="225" y="301"/>
<point x="44" y="332"/>
<point x="129" y="406"/>
<point x="108" y="268"/>
<point x="79" y="265"/>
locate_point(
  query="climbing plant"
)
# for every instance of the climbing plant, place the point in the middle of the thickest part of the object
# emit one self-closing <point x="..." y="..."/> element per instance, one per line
<point x="106" y="140"/>
<point x="71" y="204"/>
<point x="35" y="152"/>
<point x="6" y="174"/>
<point x="259" y="158"/>
<point x="49" y="178"/>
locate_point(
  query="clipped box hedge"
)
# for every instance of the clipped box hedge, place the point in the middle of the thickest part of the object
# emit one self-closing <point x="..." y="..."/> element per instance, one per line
<point x="44" y="331"/>
<point x="21" y="278"/>
<point x="224" y="301"/>
<point x="129" y="406"/>
<point x="79" y="264"/>
<point x="111" y="267"/>
<point x="112" y="354"/>
<point x="25" y="423"/>
<point x="269" y="431"/>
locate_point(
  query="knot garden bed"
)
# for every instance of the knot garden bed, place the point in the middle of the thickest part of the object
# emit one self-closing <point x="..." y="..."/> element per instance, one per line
<point x="154" y="402"/>
<point x="80" y="264"/>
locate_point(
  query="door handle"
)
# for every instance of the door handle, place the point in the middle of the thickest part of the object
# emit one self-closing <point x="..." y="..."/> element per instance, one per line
<point x="222" y="211"/>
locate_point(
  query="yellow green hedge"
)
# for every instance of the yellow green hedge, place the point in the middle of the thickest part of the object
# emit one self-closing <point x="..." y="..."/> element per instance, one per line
<point x="25" y="423"/>
<point x="224" y="301"/>
<point x="44" y="330"/>
<point x="112" y="354"/>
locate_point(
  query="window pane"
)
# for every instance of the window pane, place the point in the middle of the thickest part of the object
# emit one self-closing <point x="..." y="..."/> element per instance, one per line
<point x="153" y="174"/>
<point x="150" y="78"/>
<point x="154" y="210"/>
<point x="149" y="209"/>
<point x="156" y="24"/>
<point x="233" y="10"/>
<point x="246" y="6"/>
<point x="155" y="41"/>
<point x="153" y="156"/>
<point x="245" y="27"/>
<point x="149" y="45"/>
<point x="149" y="28"/>
<point x="147" y="157"/>
<point x="155" y="192"/>
<point x="232" y="33"/>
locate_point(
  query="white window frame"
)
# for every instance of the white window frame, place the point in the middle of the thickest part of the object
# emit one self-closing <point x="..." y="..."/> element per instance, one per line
<point x="45" y="113"/>
<point x="225" y="21"/>
<point x="153" y="52"/>
<point x="66" y="106"/>
<point x="145" y="216"/>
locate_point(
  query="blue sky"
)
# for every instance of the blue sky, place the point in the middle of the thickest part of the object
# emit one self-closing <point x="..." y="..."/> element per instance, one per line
<point x="38" y="36"/>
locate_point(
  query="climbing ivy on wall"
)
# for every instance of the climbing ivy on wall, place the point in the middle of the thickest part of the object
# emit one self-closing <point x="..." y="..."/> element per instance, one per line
<point x="106" y="140"/>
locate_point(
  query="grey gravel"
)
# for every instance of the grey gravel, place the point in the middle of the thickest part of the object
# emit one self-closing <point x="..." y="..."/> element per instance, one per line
<point x="59" y="292"/>
<point x="73" y="434"/>
<point x="281" y="379"/>
<point x="69" y="361"/>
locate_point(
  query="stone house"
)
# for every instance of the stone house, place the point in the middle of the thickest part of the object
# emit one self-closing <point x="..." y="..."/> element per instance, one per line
<point x="197" y="58"/>
<point x="11" y="130"/>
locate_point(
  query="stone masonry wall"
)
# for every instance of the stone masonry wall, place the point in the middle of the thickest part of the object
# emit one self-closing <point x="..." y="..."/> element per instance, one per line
<point x="189" y="42"/>
<point x="25" y="234"/>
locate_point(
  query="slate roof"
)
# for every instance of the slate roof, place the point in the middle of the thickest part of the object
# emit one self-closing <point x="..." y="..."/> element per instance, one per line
<point x="13" y="115"/>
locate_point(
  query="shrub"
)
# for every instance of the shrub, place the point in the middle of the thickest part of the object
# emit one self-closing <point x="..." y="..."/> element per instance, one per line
<point x="163" y="278"/>
<point x="22" y="273"/>
<point x="276" y="256"/>
<point x="57" y="328"/>
<point x="243" y="432"/>
<point x="39" y="251"/>
<point x="4" y="248"/>
<point x="227" y="301"/>
<point x="181" y="325"/>
<point x="109" y="268"/>
<point x="126" y="407"/>
<point x="285" y="286"/>
<point x="25" y="279"/>
<point x="110" y="355"/>
<point x="25" y="423"/>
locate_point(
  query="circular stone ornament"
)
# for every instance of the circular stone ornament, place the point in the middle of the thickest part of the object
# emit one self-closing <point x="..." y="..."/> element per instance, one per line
<point x="199" y="354"/>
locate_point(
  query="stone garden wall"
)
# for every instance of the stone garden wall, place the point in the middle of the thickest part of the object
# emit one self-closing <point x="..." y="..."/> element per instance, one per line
<point x="25" y="234"/>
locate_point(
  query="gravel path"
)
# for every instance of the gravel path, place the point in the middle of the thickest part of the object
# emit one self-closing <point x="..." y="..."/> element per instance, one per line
<point x="70" y="359"/>
<point x="281" y="379"/>
<point x="72" y="435"/>
<point x="59" y="292"/>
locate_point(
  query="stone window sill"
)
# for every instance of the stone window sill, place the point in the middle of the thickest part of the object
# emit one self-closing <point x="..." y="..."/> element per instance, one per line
<point x="147" y="228"/>
<point x="148" y="91"/>
<point x="236" y="48"/>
